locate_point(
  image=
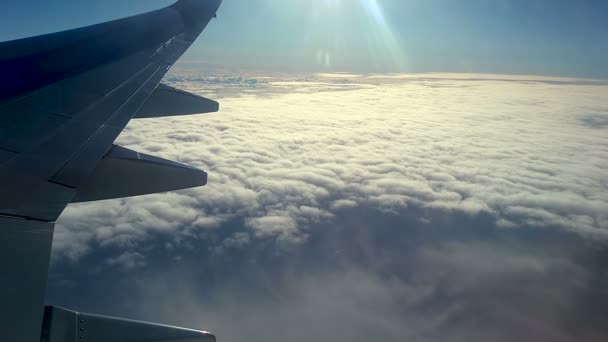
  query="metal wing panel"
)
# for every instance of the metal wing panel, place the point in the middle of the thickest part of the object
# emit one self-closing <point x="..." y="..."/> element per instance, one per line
<point x="24" y="250"/>
<point x="6" y="155"/>
<point x="51" y="153"/>
<point x="64" y="98"/>
<point x="21" y="128"/>
<point x="36" y="65"/>
<point x="76" y="117"/>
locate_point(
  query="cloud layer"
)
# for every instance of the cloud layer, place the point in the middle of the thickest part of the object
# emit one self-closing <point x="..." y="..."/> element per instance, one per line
<point x="348" y="207"/>
<point x="293" y="151"/>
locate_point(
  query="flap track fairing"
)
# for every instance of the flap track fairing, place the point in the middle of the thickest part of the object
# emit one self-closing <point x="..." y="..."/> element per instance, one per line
<point x="167" y="101"/>
<point x="125" y="173"/>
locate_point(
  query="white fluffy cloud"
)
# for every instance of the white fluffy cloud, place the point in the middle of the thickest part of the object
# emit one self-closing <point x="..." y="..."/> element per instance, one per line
<point x="286" y="152"/>
<point x="390" y="207"/>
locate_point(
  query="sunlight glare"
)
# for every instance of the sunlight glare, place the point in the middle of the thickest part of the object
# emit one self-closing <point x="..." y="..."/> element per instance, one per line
<point x="374" y="9"/>
<point x="333" y="18"/>
<point x="383" y="36"/>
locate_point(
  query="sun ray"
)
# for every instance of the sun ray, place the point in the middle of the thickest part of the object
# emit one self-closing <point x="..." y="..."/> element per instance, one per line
<point x="384" y="37"/>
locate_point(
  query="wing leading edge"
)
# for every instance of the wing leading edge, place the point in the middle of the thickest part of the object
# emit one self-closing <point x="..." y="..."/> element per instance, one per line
<point x="64" y="98"/>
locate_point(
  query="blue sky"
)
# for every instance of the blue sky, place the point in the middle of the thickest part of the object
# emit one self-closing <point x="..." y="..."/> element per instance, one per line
<point x="556" y="37"/>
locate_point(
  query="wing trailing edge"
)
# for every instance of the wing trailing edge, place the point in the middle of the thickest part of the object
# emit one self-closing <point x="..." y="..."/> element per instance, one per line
<point x="126" y="173"/>
<point x="168" y="101"/>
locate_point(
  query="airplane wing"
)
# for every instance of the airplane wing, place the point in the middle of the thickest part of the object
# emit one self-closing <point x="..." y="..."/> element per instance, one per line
<point x="64" y="99"/>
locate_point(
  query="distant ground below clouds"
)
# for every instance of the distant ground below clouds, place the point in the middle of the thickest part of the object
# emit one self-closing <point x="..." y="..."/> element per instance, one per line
<point x="425" y="207"/>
